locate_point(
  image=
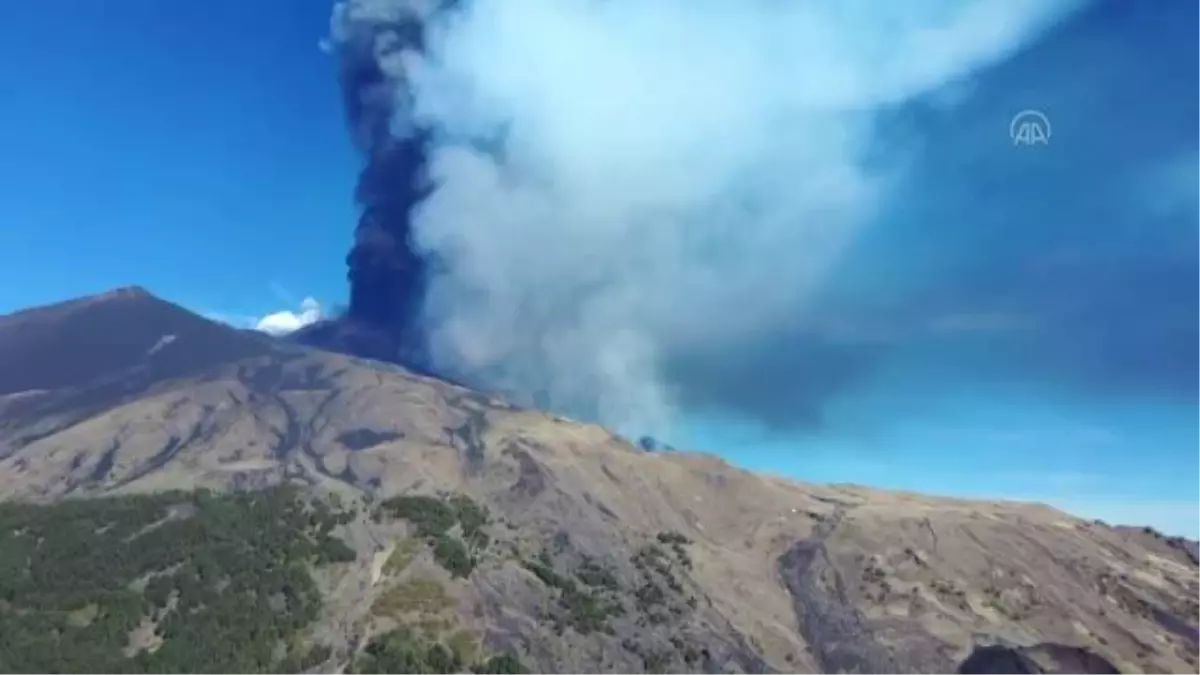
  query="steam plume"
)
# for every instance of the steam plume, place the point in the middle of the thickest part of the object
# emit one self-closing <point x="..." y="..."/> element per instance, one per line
<point x="586" y="203"/>
<point x="614" y="184"/>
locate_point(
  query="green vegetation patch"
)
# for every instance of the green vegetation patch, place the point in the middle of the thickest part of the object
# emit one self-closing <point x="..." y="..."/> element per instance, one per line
<point x="464" y="645"/>
<point x="587" y="607"/>
<point x="454" y="526"/>
<point x="658" y="660"/>
<point x="677" y="542"/>
<point x="307" y="660"/>
<point x="429" y="515"/>
<point x="223" y="578"/>
<point x="660" y="593"/>
<point x="596" y="575"/>
<point x="401" y="651"/>
<point x="673" y="537"/>
<point x="454" y="556"/>
<point x="423" y="596"/>
<point x="405" y="651"/>
<point x="401" y="556"/>
<point x="501" y="665"/>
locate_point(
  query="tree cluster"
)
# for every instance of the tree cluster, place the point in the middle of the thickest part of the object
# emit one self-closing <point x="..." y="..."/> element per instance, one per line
<point x="403" y="651"/>
<point x="453" y="526"/>
<point x="219" y="581"/>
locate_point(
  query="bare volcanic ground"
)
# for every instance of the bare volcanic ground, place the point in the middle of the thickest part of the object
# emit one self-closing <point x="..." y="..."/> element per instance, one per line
<point x="595" y="555"/>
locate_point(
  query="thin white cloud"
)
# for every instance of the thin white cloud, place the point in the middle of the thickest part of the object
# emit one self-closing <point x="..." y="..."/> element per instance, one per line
<point x="287" y="321"/>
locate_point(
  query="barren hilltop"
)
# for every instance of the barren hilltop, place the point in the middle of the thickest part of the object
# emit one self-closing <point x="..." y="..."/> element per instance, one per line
<point x="468" y="533"/>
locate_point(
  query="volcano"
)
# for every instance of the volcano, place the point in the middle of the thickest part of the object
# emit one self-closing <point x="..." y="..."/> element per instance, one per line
<point x="426" y="527"/>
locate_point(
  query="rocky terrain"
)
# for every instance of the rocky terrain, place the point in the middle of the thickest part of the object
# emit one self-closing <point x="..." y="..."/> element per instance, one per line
<point x="522" y="533"/>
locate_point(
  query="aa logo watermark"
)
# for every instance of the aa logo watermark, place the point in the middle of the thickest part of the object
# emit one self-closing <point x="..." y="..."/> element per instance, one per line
<point x="1029" y="127"/>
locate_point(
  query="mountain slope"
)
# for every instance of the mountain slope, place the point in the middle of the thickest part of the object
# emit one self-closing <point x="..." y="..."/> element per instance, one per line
<point x="597" y="555"/>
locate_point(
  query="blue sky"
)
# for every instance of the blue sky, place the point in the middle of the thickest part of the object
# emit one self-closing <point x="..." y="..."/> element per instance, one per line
<point x="180" y="146"/>
<point x="1020" y="322"/>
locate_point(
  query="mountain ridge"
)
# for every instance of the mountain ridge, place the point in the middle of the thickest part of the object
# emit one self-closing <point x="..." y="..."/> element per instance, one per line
<point x="781" y="575"/>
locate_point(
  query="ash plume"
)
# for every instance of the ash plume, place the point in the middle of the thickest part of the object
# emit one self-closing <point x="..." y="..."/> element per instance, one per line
<point x="623" y="208"/>
<point x="373" y="41"/>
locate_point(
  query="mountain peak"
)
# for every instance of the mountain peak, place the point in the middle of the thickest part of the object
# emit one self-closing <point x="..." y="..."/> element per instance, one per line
<point x="124" y="292"/>
<point x="70" y="343"/>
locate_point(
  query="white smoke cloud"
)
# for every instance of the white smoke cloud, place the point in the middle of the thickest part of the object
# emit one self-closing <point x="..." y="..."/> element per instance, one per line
<point x="660" y="177"/>
<point x="286" y="321"/>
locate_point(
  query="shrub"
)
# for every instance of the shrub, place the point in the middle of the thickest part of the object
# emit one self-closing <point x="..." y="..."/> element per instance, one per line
<point x="673" y="537"/>
<point x="597" y="576"/>
<point x="585" y="610"/>
<point x="504" y="664"/>
<point x="453" y="556"/>
<point x="424" y="596"/>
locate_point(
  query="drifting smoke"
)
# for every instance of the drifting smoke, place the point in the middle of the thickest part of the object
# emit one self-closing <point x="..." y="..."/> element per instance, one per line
<point x="568" y="199"/>
<point x="613" y="186"/>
